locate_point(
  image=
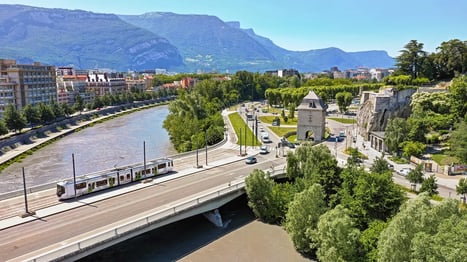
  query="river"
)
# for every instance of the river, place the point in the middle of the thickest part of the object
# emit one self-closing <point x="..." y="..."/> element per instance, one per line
<point x="117" y="142"/>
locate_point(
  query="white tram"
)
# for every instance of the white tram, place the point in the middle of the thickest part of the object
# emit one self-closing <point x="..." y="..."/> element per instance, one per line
<point x="111" y="178"/>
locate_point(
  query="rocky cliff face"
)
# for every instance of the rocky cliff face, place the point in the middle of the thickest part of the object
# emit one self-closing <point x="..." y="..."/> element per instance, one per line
<point x="377" y="108"/>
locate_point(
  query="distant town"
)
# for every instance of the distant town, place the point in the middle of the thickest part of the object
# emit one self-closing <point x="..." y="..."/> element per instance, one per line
<point x="31" y="84"/>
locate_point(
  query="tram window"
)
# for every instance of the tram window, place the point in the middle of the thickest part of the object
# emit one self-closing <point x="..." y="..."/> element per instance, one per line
<point x="101" y="183"/>
<point x="161" y="166"/>
<point x="154" y="170"/>
<point x="148" y="171"/>
<point x="122" y="178"/>
<point x="127" y="176"/>
<point x="80" y="185"/>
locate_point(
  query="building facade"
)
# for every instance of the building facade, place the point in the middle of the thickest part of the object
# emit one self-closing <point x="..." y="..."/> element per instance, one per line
<point x="311" y="118"/>
<point x="24" y="84"/>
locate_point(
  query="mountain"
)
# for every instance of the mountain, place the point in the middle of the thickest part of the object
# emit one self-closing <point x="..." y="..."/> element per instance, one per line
<point x="80" y="38"/>
<point x="156" y="40"/>
<point x="208" y="43"/>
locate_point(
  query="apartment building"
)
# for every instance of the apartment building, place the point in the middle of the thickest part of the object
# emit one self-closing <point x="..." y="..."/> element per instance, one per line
<point x="105" y="83"/>
<point x="23" y="84"/>
<point x="70" y="84"/>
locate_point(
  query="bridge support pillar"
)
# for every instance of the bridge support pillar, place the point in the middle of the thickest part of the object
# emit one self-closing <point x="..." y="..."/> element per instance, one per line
<point x="215" y="217"/>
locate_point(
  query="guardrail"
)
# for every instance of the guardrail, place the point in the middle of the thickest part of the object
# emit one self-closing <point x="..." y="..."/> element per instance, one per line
<point x="108" y="235"/>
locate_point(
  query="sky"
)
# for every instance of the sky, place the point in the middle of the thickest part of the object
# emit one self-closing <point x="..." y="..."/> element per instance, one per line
<point x="357" y="25"/>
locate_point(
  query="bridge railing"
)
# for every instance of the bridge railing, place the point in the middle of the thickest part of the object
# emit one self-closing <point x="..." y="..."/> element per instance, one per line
<point x="109" y="234"/>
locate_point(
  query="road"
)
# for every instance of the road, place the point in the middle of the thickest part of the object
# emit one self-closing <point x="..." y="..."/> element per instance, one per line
<point x="54" y="229"/>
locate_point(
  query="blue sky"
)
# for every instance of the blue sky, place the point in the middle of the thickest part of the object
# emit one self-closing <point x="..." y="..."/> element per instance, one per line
<point x="357" y="25"/>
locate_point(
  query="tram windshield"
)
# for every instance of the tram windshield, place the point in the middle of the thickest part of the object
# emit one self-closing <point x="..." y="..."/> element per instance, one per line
<point x="60" y="190"/>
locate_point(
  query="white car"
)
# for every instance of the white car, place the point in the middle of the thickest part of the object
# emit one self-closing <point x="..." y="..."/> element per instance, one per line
<point x="405" y="171"/>
<point x="263" y="150"/>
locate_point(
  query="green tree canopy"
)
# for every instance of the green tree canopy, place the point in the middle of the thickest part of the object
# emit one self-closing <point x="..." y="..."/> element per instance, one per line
<point x="14" y="120"/>
<point x="418" y="232"/>
<point x="415" y="176"/>
<point x="259" y="189"/>
<point x="461" y="188"/>
<point x="411" y="59"/>
<point x="31" y="114"/>
<point x="429" y="185"/>
<point x="344" y="99"/>
<point x="395" y="133"/>
<point x="338" y="237"/>
<point x="303" y="216"/>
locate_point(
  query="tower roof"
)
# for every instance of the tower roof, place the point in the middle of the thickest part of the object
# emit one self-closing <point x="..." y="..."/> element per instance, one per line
<point x="312" y="101"/>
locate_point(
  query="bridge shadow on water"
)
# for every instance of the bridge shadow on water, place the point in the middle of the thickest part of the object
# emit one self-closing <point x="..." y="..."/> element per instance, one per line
<point x="177" y="240"/>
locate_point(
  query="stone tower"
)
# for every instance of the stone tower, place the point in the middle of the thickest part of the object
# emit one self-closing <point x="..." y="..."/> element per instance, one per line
<point x="311" y="117"/>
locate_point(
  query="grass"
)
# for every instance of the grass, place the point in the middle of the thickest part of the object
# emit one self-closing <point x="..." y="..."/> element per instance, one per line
<point x="360" y="154"/>
<point x="399" y="160"/>
<point x="268" y="120"/>
<point x="281" y="131"/>
<point x="343" y="120"/>
<point x="238" y="124"/>
<point x="443" y="159"/>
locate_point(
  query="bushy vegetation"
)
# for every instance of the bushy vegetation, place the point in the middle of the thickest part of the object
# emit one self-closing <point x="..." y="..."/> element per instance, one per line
<point x="326" y="208"/>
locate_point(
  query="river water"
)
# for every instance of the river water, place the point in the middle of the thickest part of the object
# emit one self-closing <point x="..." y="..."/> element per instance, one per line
<point x="117" y="142"/>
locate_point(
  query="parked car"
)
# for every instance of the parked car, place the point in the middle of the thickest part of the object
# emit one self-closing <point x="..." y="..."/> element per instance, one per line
<point x="391" y="166"/>
<point x="251" y="160"/>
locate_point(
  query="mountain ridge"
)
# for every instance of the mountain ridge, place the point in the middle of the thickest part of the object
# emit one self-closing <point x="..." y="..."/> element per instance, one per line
<point x="156" y="40"/>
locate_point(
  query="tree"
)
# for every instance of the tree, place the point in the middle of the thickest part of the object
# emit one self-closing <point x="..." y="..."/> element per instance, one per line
<point x="3" y="129"/>
<point x="338" y="238"/>
<point x="317" y="165"/>
<point x="395" y="133"/>
<point x="303" y="216"/>
<point x="380" y="166"/>
<point x="415" y="176"/>
<point x="78" y="105"/>
<point x="429" y="185"/>
<point x="401" y="240"/>
<point x="461" y="188"/>
<point x="259" y="188"/>
<point x="343" y="99"/>
<point x="411" y="148"/>
<point x="369" y="239"/>
<point x="451" y="58"/>
<point x="354" y="159"/>
<point x="46" y="112"/>
<point x="411" y="59"/>
<point x="31" y="114"/>
<point x="67" y="110"/>
<point x="458" y="89"/>
<point x="447" y="243"/>
<point x="376" y="197"/>
<point x="14" y="120"/>
<point x="458" y="142"/>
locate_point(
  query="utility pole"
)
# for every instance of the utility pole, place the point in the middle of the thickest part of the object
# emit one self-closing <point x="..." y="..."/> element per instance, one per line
<point x="74" y="172"/>
<point x="25" y="193"/>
